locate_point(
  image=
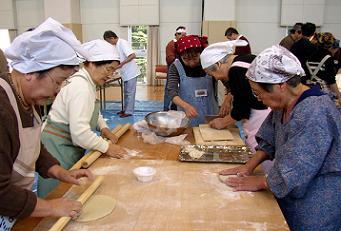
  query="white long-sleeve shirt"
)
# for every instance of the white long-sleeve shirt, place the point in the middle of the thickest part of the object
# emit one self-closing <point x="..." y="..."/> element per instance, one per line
<point x="74" y="105"/>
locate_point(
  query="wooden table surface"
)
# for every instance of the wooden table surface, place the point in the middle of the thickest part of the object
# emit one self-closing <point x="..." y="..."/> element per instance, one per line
<point x="183" y="196"/>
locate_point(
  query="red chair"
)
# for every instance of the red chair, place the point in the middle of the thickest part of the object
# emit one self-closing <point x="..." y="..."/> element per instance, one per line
<point x="160" y="73"/>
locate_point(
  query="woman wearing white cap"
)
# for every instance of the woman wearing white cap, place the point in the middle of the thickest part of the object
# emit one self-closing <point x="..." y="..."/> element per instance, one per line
<point x="302" y="135"/>
<point x="218" y="61"/>
<point x="74" y="115"/>
<point x="41" y="60"/>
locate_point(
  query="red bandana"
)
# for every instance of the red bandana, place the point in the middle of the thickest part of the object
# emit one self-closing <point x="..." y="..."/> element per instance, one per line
<point x="187" y="42"/>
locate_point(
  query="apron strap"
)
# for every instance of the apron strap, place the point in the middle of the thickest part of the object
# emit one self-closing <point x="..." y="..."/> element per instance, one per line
<point x="12" y="100"/>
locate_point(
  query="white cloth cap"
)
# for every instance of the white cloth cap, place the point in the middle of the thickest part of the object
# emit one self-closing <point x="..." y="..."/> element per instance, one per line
<point x="47" y="46"/>
<point x="181" y="30"/>
<point x="216" y="51"/>
<point x="274" y="65"/>
<point x="100" y="50"/>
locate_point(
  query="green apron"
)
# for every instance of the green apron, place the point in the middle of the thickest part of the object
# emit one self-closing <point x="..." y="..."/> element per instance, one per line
<point x="56" y="138"/>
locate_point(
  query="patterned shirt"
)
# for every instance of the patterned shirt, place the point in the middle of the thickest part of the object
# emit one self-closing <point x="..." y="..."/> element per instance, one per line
<point x="306" y="176"/>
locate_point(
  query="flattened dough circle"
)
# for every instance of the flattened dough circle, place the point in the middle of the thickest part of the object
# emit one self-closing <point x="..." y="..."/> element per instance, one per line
<point x="97" y="207"/>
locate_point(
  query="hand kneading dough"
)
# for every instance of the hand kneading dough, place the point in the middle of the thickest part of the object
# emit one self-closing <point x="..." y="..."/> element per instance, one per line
<point x="223" y="178"/>
<point x="97" y="207"/>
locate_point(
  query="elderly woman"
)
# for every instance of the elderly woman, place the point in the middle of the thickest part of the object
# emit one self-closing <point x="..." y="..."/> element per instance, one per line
<point x="302" y="135"/>
<point x="189" y="87"/>
<point x="218" y="61"/>
<point x="74" y="115"/>
<point x="41" y="60"/>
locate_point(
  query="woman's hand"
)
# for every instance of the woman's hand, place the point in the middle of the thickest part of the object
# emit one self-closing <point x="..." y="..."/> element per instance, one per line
<point x="225" y="107"/>
<point x="221" y="123"/>
<point x="247" y="183"/>
<point x="190" y="111"/>
<point x="116" y="151"/>
<point x="242" y="170"/>
<point x="69" y="176"/>
<point x="61" y="207"/>
<point x="106" y="133"/>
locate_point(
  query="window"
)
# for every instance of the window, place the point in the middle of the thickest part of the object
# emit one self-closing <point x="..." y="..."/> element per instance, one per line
<point x="139" y="39"/>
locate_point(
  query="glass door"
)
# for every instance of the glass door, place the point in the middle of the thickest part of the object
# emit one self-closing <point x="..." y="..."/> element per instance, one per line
<point x="138" y="36"/>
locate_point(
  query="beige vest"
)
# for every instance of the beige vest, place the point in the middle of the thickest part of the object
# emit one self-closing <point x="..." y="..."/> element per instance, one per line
<point x="24" y="165"/>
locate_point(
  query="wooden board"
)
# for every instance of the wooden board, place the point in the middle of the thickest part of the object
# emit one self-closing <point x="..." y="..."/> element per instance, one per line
<point x="235" y="132"/>
<point x="211" y="134"/>
<point x="182" y="196"/>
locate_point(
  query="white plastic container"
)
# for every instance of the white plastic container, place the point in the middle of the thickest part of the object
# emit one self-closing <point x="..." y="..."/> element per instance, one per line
<point x="144" y="173"/>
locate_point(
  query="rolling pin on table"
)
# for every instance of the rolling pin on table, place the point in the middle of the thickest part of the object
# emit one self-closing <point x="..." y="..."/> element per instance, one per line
<point x="183" y="196"/>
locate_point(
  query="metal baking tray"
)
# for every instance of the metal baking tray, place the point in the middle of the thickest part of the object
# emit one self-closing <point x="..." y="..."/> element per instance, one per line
<point x="217" y="154"/>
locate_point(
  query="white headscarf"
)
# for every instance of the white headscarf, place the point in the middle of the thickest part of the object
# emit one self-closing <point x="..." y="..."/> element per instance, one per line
<point x="100" y="50"/>
<point x="216" y="51"/>
<point x="47" y="46"/>
<point x="274" y="65"/>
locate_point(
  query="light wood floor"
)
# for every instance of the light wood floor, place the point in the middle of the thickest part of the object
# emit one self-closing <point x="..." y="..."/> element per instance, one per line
<point x="143" y="92"/>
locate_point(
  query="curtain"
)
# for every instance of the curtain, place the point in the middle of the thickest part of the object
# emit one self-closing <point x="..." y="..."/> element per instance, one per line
<point x="153" y="53"/>
<point x="12" y="34"/>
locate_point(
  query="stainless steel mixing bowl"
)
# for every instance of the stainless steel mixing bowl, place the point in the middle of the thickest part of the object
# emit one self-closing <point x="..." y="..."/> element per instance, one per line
<point x="158" y="122"/>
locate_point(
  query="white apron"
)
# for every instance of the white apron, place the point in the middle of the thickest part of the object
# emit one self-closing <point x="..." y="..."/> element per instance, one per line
<point x="24" y="165"/>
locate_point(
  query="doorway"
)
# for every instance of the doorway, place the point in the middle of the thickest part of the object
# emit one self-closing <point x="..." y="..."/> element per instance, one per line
<point x="138" y="36"/>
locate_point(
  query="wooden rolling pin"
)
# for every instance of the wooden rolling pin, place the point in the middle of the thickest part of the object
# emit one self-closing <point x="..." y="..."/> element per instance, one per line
<point x="96" y="154"/>
<point x="60" y="224"/>
<point x="78" y="164"/>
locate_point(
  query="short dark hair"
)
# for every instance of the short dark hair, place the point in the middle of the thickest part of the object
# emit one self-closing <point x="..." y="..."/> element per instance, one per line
<point x="297" y="27"/>
<point x="180" y="27"/>
<point x="100" y="63"/>
<point x="229" y="31"/>
<point x="308" y="29"/>
<point x="109" y="34"/>
<point x="292" y="82"/>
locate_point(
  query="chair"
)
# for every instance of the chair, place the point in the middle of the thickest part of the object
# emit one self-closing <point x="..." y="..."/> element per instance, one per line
<point x="160" y="74"/>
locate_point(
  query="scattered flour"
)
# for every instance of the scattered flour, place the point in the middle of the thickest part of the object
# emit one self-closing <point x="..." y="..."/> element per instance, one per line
<point x="107" y="170"/>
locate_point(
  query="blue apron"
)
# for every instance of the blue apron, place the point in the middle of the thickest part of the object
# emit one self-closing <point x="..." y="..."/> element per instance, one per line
<point x="199" y="92"/>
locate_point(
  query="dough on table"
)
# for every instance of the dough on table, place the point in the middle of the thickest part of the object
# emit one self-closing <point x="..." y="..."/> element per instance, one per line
<point x="97" y="207"/>
<point x="194" y="153"/>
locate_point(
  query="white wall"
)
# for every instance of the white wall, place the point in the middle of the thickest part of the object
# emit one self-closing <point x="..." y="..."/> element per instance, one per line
<point x="30" y="13"/>
<point x="332" y="18"/>
<point x="178" y="13"/>
<point x="259" y="21"/>
<point x="99" y="16"/>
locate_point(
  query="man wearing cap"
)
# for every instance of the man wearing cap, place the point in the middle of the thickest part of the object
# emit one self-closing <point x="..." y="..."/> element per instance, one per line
<point x="232" y="34"/>
<point x="171" y="55"/>
<point x="129" y="70"/>
<point x="41" y="60"/>
<point x="302" y="135"/>
<point x="219" y="61"/>
<point x="75" y="113"/>
<point x="295" y="35"/>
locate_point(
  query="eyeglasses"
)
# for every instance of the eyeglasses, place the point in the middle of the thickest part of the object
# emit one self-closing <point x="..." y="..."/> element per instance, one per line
<point x="256" y="95"/>
<point x="56" y="84"/>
